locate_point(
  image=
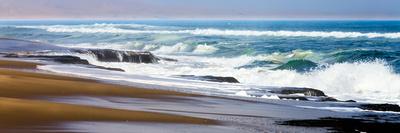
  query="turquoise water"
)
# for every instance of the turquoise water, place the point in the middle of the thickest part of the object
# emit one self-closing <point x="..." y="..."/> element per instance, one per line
<point x="346" y="59"/>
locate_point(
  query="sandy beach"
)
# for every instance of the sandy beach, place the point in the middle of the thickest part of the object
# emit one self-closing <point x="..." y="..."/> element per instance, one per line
<point x="33" y="100"/>
<point x="22" y="103"/>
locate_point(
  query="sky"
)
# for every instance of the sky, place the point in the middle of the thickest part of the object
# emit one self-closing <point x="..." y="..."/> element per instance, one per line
<point x="199" y="9"/>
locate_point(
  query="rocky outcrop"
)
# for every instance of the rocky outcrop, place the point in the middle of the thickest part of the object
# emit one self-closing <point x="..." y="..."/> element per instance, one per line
<point x="367" y="124"/>
<point x="109" y="55"/>
<point x="294" y="90"/>
<point x="381" y="107"/>
<point x="211" y="78"/>
<point x="65" y="59"/>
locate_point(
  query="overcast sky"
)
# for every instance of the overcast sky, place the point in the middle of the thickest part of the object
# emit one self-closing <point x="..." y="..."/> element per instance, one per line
<point x="200" y="9"/>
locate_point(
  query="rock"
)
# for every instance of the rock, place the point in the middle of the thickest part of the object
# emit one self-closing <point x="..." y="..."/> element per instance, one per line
<point x="328" y="99"/>
<point x="109" y="55"/>
<point x="294" y="90"/>
<point x="65" y="59"/>
<point x="347" y="125"/>
<point x="381" y="107"/>
<point x="350" y="101"/>
<point x="211" y="78"/>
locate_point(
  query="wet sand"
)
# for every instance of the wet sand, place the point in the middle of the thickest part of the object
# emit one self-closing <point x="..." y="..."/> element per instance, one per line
<point x="32" y="100"/>
<point x="23" y="101"/>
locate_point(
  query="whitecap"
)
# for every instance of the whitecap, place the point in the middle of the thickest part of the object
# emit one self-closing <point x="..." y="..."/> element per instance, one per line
<point x="116" y="28"/>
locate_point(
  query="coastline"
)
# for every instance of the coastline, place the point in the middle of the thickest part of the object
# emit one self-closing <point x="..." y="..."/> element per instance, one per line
<point x="23" y="103"/>
<point x="32" y="101"/>
<point x="42" y="100"/>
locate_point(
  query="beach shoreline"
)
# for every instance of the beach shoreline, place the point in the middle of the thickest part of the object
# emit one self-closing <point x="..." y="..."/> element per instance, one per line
<point x="74" y="99"/>
<point x="23" y="103"/>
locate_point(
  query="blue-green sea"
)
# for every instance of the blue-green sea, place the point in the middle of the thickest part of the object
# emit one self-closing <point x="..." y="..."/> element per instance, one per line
<point x="346" y="59"/>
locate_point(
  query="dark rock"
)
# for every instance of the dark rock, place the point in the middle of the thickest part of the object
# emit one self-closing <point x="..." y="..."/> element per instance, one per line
<point x="11" y="55"/>
<point x="109" y="55"/>
<point x="350" y="101"/>
<point x="211" y="78"/>
<point x="381" y="107"/>
<point x="294" y="90"/>
<point x="347" y="125"/>
<point x="65" y="59"/>
<point x="328" y="99"/>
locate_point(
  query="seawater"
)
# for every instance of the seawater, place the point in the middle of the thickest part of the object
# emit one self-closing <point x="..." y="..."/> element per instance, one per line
<point x="357" y="60"/>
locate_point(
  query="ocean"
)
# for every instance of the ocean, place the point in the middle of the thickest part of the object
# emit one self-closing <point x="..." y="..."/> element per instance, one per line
<point x="348" y="60"/>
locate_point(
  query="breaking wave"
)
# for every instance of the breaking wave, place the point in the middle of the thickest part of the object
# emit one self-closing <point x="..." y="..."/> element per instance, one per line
<point x="179" y="48"/>
<point x="372" y="81"/>
<point x="138" y="29"/>
<point x="186" y="48"/>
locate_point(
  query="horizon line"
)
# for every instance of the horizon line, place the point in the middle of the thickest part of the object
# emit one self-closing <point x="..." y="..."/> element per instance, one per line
<point x="200" y="19"/>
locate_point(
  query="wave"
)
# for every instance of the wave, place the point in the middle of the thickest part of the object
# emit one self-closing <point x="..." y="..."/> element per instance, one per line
<point x="365" y="81"/>
<point x="138" y="29"/>
<point x="186" y="48"/>
<point x="91" y="26"/>
<point x="372" y="81"/>
<point x="179" y="48"/>
<point x="335" y="34"/>
<point x="364" y="55"/>
<point x="298" y="65"/>
<point x="116" y="46"/>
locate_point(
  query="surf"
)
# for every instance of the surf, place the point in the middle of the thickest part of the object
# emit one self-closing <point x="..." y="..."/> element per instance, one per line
<point x="121" y="29"/>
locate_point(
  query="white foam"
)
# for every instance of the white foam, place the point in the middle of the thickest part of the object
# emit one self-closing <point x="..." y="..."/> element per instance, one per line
<point x="186" y="48"/>
<point x="115" y="28"/>
<point x="372" y="81"/>
<point x="179" y="48"/>
<point x="336" y="34"/>
<point x="270" y="97"/>
<point x="135" y="46"/>
<point x="90" y="26"/>
<point x="363" y="81"/>
<point x="242" y="93"/>
<point x="204" y="49"/>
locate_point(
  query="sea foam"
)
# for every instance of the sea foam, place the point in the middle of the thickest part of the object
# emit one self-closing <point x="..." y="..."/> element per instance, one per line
<point x="116" y="29"/>
<point x="372" y="81"/>
<point x="368" y="81"/>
